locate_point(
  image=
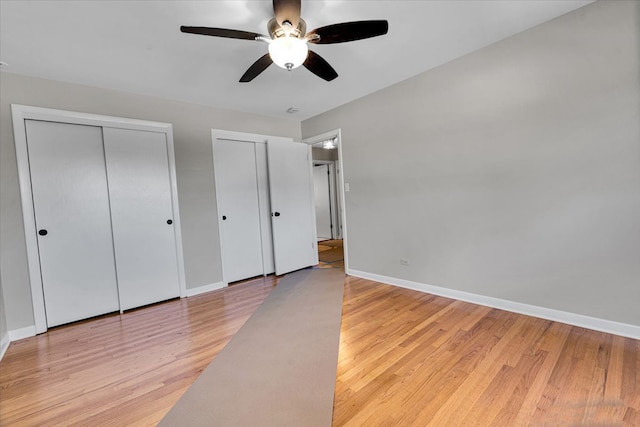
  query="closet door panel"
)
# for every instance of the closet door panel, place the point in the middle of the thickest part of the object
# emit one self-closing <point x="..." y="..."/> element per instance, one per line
<point x="238" y="209"/>
<point x="70" y="198"/>
<point x="142" y="216"/>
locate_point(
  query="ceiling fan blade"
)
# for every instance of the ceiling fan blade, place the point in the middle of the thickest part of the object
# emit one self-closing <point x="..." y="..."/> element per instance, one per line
<point x="259" y="66"/>
<point x="348" y="32"/>
<point x="318" y="66"/>
<point x="287" y="10"/>
<point x="221" y="32"/>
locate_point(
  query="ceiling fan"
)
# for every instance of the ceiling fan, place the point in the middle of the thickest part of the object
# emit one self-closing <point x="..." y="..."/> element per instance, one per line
<point x="288" y="41"/>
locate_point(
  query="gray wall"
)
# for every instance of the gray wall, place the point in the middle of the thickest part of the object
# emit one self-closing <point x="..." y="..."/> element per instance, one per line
<point x="513" y="172"/>
<point x="192" y="126"/>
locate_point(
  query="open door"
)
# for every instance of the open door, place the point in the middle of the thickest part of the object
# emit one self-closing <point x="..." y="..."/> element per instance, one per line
<point x="292" y="205"/>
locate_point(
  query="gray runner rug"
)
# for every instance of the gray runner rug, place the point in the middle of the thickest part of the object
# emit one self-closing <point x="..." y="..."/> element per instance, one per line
<point x="280" y="367"/>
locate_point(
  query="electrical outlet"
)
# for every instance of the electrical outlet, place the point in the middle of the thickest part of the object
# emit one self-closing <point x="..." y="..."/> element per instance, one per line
<point x="404" y="261"/>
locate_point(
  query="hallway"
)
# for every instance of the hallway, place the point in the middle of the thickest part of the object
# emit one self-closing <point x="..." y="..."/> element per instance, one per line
<point x="331" y="254"/>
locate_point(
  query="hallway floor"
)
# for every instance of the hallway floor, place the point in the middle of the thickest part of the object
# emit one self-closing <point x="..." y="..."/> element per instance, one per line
<point x="331" y="254"/>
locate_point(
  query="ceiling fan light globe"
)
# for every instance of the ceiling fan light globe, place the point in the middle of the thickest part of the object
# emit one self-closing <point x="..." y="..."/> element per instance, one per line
<point x="288" y="52"/>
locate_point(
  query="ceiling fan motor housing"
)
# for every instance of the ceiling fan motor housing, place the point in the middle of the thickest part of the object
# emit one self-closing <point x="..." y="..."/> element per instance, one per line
<point x="276" y="31"/>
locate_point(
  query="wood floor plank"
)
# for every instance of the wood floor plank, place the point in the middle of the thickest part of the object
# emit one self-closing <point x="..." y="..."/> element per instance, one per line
<point x="553" y="349"/>
<point x="406" y="358"/>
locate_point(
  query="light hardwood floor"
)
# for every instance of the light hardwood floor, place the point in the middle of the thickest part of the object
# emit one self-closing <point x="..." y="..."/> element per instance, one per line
<point x="406" y="359"/>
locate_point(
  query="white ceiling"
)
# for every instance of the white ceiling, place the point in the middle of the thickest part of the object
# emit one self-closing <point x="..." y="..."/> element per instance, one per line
<point x="136" y="46"/>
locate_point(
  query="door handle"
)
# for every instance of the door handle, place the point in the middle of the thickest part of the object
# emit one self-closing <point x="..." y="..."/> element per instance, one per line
<point x="43" y="232"/>
<point x="224" y="217"/>
<point x="277" y="214"/>
<point x="169" y="222"/>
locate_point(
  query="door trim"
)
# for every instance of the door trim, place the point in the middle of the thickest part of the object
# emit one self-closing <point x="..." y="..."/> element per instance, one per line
<point x="337" y="133"/>
<point x="20" y="113"/>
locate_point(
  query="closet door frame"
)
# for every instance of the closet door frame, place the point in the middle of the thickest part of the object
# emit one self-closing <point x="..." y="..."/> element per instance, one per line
<point x="265" y="217"/>
<point x="20" y="113"/>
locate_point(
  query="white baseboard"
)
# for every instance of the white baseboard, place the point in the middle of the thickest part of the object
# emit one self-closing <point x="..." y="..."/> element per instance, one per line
<point x="18" y="334"/>
<point x="206" y="288"/>
<point x="602" y="325"/>
<point x="4" y="344"/>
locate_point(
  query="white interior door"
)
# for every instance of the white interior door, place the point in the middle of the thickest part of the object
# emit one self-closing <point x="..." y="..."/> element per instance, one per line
<point x="322" y="198"/>
<point x="141" y="214"/>
<point x="293" y="224"/>
<point x="238" y="209"/>
<point x="71" y="204"/>
<point x="265" y="207"/>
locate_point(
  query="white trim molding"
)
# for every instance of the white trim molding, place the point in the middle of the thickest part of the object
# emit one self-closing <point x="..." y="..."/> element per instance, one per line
<point x="205" y="288"/>
<point x="602" y="325"/>
<point x="18" y="334"/>
<point x="4" y="344"/>
<point x="15" y="335"/>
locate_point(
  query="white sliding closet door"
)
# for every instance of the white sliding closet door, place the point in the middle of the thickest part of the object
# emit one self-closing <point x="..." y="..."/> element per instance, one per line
<point x="292" y="206"/>
<point x="70" y="198"/>
<point x="141" y="213"/>
<point x="238" y="209"/>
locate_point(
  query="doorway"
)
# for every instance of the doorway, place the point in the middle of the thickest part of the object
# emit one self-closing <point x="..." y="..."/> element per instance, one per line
<point x="329" y="199"/>
<point x="324" y="188"/>
<point x="331" y="254"/>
